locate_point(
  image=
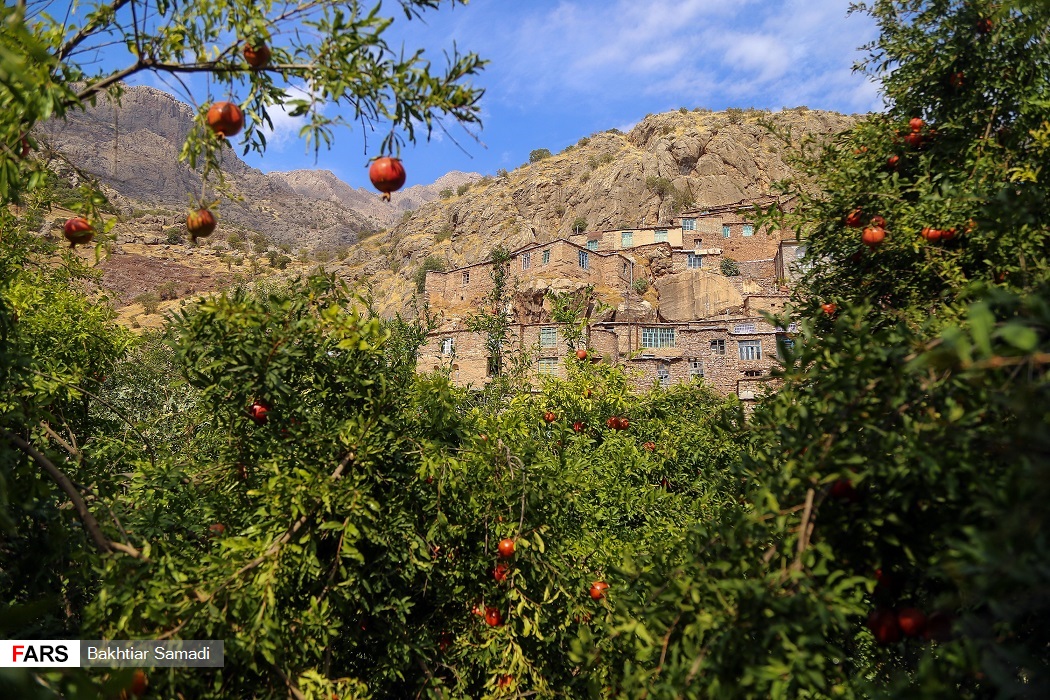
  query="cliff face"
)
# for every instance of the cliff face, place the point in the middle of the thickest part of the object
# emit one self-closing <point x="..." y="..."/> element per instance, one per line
<point x="608" y="180"/>
<point x="133" y="149"/>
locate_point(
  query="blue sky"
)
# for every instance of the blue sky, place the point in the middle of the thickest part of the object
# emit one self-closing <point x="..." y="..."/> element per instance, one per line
<point x="563" y="69"/>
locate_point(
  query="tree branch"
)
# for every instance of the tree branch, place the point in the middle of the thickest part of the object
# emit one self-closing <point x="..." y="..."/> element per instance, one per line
<point x="91" y="525"/>
<point x="88" y="29"/>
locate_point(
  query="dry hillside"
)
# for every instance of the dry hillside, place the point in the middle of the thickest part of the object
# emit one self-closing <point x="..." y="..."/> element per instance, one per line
<point x="610" y="180"/>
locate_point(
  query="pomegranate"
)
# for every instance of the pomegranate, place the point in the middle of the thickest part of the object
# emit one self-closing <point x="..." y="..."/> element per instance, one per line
<point x="873" y="236"/>
<point x="387" y="175"/>
<point x="257" y="56"/>
<point x="78" y="231"/>
<point x="225" y="119"/>
<point x="200" y="224"/>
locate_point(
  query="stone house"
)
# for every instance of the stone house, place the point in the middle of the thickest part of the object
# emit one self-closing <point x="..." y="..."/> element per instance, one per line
<point x="658" y="301"/>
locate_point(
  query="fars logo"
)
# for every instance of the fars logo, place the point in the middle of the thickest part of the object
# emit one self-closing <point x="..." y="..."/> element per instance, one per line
<point x="39" y="653"/>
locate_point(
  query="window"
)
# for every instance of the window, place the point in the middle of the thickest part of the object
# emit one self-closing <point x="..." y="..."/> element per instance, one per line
<point x="696" y="243"/>
<point x="658" y="337"/>
<point x="749" y="230"/>
<point x="592" y="244"/>
<point x="663" y="373"/>
<point x="546" y="256"/>
<point x="750" y="349"/>
<point x="784" y="347"/>
<point x="526" y="261"/>
<point x="695" y="261"/>
<point x="466" y="277"/>
<point x="696" y="369"/>
<point x="547" y="365"/>
<point x="688" y="224"/>
<point x="584" y="258"/>
<point x="660" y="236"/>
<point x="718" y="347"/>
<point x="753" y="373"/>
<point x="744" y="328"/>
<point x="725" y="230"/>
<point x="447" y="346"/>
<point x="625" y="268"/>
<point x="626" y="239"/>
<point x="548" y="337"/>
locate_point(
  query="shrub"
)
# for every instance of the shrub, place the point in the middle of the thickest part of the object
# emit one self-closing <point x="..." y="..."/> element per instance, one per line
<point x="463" y="189"/>
<point x="167" y="291"/>
<point x="175" y="236"/>
<point x="150" y="302"/>
<point x="539" y="154"/>
<point x="444" y="234"/>
<point x="584" y="141"/>
<point x="431" y="263"/>
<point x="661" y="186"/>
<point x="446" y="193"/>
<point x="729" y="267"/>
<point x="580" y="224"/>
<point x="641" y="285"/>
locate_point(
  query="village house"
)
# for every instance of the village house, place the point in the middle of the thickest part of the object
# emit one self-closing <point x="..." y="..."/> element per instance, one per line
<point x="676" y="303"/>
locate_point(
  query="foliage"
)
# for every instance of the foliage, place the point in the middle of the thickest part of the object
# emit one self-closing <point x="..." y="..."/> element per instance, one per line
<point x="463" y="189"/>
<point x="539" y="154"/>
<point x="446" y="193"/>
<point x="641" y="285"/>
<point x="729" y="267"/>
<point x="579" y="224"/>
<point x="661" y="186"/>
<point x="493" y="319"/>
<point x="898" y="466"/>
<point x="430" y="263"/>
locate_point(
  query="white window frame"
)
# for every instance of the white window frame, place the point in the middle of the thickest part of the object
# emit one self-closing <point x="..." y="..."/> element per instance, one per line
<point x="725" y="231"/>
<point x="592" y="244"/>
<point x="659" y="337"/>
<point x="688" y="224"/>
<point x="466" y="277"/>
<point x="548" y="337"/>
<point x="718" y="346"/>
<point x="547" y="366"/>
<point x="663" y="373"/>
<point x="660" y="235"/>
<point x="749" y="350"/>
<point x="749" y="229"/>
<point x="696" y="369"/>
<point x="626" y="239"/>
<point x="526" y="261"/>
<point x="448" y="345"/>
<point x="694" y="261"/>
<point x="742" y="328"/>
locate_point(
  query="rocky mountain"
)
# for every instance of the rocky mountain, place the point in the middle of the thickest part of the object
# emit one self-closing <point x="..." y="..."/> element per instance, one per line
<point x="324" y="185"/>
<point x="133" y="149"/>
<point x="608" y="180"/>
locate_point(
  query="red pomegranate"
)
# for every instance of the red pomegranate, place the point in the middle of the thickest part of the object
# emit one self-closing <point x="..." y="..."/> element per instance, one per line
<point x="78" y="231"/>
<point x="200" y="224"/>
<point x="873" y="236"/>
<point x="257" y="56"/>
<point x="225" y="119"/>
<point x="387" y="175"/>
<point x="598" y="589"/>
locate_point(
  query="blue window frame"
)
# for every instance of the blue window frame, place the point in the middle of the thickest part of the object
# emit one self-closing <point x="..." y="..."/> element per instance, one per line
<point x="725" y="230"/>
<point x="695" y="261"/>
<point x="546" y="256"/>
<point x="584" y="259"/>
<point x="592" y="244"/>
<point x="549" y="337"/>
<point x="749" y="230"/>
<point x="660" y="236"/>
<point x="688" y="224"/>
<point x="626" y="239"/>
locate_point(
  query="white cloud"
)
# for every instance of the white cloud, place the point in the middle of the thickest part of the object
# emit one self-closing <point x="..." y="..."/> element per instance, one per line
<point x="285" y="126"/>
